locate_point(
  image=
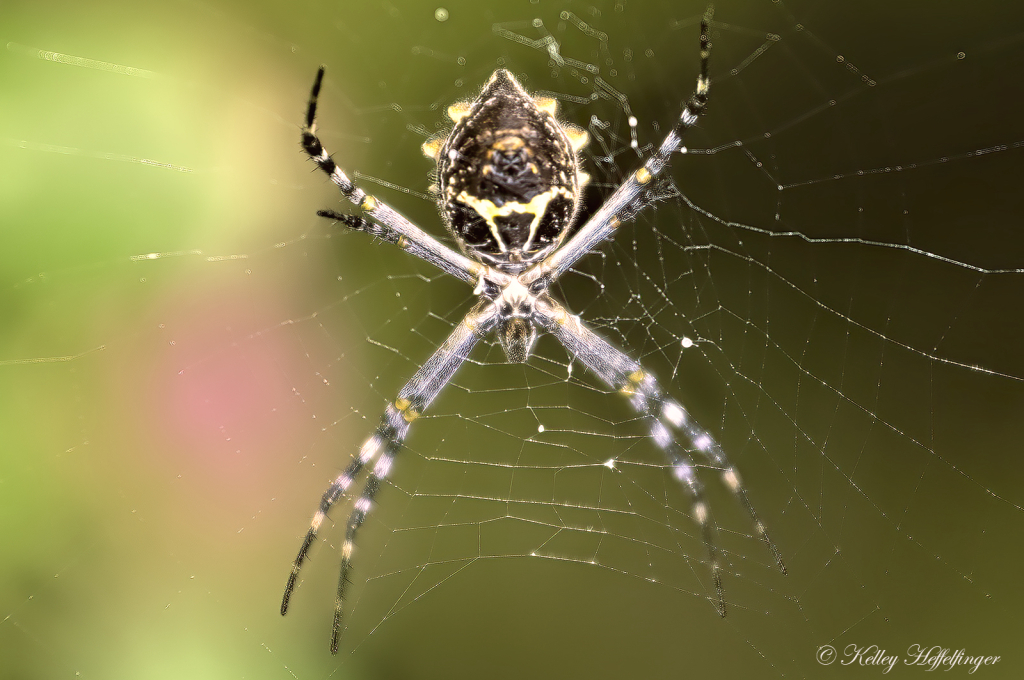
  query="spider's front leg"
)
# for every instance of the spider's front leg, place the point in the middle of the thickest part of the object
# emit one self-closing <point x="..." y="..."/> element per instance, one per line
<point x="406" y="235"/>
<point x="619" y="371"/>
<point x="412" y="400"/>
<point x="416" y="248"/>
<point x="624" y="202"/>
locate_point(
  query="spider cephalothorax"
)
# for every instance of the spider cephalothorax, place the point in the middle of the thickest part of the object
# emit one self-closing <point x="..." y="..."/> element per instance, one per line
<point x="509" y="190"/>
<point x="508" y="174"/>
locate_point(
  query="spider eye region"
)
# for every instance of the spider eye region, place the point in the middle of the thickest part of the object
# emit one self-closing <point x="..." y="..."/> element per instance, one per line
<point x="508" y="174"/>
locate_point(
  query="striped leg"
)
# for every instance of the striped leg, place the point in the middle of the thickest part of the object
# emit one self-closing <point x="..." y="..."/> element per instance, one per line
<point x="384" y="233"/>
<point x="427" y="247"/>
<point x="622" y="373"/>
<point x="330" y="497"/>
<point x="417" y="394"/>
<point x="622" y="204"/>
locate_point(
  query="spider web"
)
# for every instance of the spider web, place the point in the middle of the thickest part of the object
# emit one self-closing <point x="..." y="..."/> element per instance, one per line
<point x="829" y="280"/>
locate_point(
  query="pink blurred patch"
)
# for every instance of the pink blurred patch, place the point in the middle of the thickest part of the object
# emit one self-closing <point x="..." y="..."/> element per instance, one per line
<point x="227" y="392"/>
<point x="225" y="381"/>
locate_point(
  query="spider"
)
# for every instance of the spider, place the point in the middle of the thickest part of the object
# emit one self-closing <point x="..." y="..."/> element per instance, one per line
<point x="509" y="187"/>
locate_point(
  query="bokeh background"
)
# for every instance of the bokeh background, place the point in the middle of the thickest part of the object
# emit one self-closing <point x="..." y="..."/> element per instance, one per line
<point x="188" y="354"/>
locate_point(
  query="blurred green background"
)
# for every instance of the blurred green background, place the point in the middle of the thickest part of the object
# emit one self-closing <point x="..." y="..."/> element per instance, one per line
<point x="188" y="354"/>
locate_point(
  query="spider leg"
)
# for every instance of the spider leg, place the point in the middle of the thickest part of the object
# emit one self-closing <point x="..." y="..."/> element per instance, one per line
<point x="627" y="376"/>
<point x="385" y="233"/>
<point x="412" y="400"/>
<point x="623" y="203"/>
<point x="412" y="238"/>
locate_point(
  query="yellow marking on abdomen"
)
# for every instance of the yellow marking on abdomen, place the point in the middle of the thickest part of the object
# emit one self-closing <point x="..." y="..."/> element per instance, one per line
<point x="537" y="206"/>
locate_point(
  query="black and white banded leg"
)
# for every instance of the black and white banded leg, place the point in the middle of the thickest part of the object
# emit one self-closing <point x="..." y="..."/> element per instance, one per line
<point x="377" y="230"/>
<point x="623" y="202"/>
<point x="385" y="443"/>
<point x="412" y="237"/>
<point x="619" y="371"/>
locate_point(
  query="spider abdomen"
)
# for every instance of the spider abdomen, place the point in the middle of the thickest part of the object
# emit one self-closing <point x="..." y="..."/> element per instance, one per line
<point x="508" y="174"/>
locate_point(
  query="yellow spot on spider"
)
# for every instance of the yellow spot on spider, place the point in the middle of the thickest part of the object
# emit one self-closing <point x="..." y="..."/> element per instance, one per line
<point x="643" y="175"/>
<point x="432" y="147"/>
<point x="404" y="407"/>
<point x="403" y="242"/>
<point x="369" y="203"/>
<point x="459" y="110"/>
<point x="578" y="137"/>
<point x="510" y="143"/>
<point x="546" y="104"/>
<point x="634" y="379"/>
